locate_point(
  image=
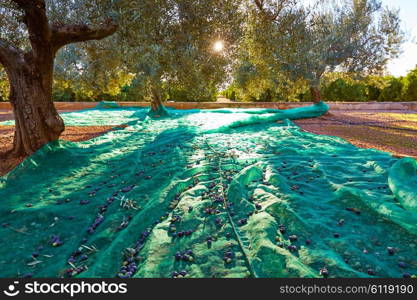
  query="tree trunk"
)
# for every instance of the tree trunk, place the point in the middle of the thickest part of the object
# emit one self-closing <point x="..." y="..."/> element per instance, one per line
<point x="157" y="108"/>
<point x="156" y="102"/>
<point x="316" y="94"/>
<point x="37" y="121"/>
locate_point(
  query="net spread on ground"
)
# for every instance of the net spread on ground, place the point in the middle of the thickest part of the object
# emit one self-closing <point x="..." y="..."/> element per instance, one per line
<point x="208" y="193"/>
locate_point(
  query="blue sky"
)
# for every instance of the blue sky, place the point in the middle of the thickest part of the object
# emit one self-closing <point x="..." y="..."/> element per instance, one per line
<point x="408" y="59"/>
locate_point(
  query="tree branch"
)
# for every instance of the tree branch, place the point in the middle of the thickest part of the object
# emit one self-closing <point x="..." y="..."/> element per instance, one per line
<point x="36" y="21"/>
<point x="67" y="34"/>
<point x="265" y="11"/>
<point x="274" y="13"/>
<point x="8" y="53"/>
<point x="259" y="4"/>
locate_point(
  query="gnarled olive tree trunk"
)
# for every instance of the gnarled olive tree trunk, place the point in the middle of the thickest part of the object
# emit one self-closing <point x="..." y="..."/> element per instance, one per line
<point x="157" y="108"/>
<point x="30" y="74"/>
<point x="37" y="121"/>
<point x="156" y="101"/>
<point x="316" y="94"/>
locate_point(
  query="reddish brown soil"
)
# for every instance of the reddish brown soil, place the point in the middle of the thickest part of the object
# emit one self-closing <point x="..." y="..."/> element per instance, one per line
<point x="390" y="132"/>
<point x="5" y="115"/>
<point x="71" y="133"/>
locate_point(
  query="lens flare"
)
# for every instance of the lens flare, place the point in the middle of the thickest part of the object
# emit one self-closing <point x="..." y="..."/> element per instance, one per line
<point x="218" y="46"/>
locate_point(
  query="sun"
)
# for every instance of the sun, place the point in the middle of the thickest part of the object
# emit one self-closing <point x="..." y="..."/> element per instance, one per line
<point x="218" y="46"/>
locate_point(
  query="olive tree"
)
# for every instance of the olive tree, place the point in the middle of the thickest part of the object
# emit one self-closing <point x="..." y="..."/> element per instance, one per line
<point x="302" y="43"/>
<point x="90" y="71"/>
<point x="170" y="43"/>
<point x="31" y="34"/>
<point x="269" y="32"/>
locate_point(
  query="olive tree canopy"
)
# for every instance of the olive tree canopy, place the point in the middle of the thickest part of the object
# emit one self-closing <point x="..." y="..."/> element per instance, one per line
<point x="287" y="39"/>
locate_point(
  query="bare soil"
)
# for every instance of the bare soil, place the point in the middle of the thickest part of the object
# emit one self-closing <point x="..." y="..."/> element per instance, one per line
<point x="386" y="131"/>
<point x="5" y="115"/>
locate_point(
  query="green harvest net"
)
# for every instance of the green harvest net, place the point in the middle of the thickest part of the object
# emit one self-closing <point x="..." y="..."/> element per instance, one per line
<point x="208" y="193"/>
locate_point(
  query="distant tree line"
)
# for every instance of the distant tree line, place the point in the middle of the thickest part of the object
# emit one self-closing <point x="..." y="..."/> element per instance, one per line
<point x="338" y="87"/>
<point x="134" y="91"/>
